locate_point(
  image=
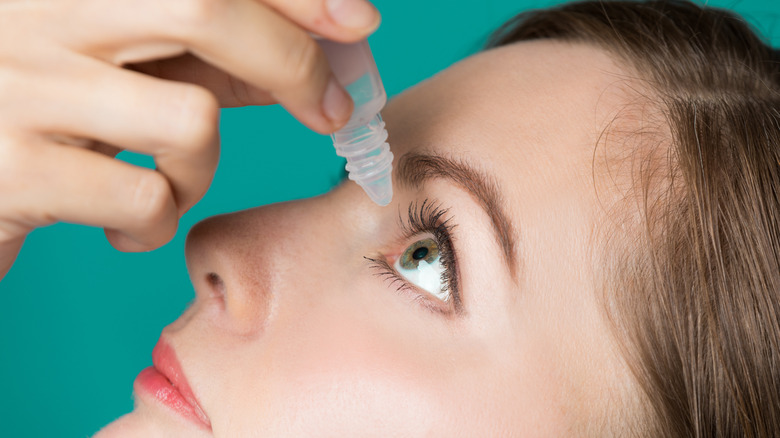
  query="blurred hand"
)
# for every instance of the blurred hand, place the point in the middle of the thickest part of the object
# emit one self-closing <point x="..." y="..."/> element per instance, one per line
<point x="81" y="80"/>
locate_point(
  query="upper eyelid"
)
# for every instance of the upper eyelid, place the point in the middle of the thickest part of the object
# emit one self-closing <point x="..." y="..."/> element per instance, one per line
<point x="425" y="217"/>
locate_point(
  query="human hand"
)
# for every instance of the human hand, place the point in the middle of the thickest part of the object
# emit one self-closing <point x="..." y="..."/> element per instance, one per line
<point x="81" y="80"/>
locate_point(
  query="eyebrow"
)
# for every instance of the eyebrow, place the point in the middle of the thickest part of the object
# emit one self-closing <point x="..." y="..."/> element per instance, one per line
<point x="414" y="169"/>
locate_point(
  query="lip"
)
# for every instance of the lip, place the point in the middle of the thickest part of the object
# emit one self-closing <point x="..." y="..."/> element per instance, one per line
<point x="166" y="383"/>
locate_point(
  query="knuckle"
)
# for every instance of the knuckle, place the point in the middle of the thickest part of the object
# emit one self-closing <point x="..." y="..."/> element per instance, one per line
<point x="151" y="197"/>
<point x="194" y="14"/>
<point x="14" y="162"/>
<point x="197" y="118"/>
<point x="301" y="62"/>
<point x="22" y="182"/>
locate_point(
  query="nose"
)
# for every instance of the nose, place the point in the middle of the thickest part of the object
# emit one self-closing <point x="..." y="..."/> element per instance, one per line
<point x="239" y="262"/>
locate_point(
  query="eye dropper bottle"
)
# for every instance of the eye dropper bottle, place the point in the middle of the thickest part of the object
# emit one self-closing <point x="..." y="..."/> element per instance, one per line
<point x="363" y="140"/>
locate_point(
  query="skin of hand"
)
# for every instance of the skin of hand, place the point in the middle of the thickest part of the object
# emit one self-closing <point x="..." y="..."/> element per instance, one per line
<point x="86" y="79"/>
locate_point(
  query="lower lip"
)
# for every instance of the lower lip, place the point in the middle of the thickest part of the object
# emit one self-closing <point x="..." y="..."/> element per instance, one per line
<point x="152" y="382"/>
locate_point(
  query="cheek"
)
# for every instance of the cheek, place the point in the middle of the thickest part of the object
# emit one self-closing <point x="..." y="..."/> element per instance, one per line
<point x="326" y="376"/>
<point x="330" y="362"/>
<point x="348" y="401"/>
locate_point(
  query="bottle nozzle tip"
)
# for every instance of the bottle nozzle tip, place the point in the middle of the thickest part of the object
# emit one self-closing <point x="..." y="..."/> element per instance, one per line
<point x="380" y="191"/>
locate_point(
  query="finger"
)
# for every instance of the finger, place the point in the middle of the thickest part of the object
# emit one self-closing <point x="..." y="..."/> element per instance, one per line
<point x="70" y="184"/>
<point x="175" y="123"/>
<point x="338" y="20"/>
<point x="292" y="68"/>
<point x="229" y="90"/>
<point x="245" y="38"/>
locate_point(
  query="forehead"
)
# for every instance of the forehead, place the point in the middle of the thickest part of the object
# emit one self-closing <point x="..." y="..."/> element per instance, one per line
<point x="530" y="114"/>
<point x="534" y="99"/>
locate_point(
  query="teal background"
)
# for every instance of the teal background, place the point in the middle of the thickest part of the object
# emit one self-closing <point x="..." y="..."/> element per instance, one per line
<point x="78" y="319"/>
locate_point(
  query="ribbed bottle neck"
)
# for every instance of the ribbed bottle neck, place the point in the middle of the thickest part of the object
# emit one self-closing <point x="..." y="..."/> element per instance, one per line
<point x="355" y="136"/>
<point x="369" y="160"/>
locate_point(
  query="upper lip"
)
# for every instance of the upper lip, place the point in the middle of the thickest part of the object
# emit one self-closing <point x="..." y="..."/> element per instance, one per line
<point x="165" y="361"/>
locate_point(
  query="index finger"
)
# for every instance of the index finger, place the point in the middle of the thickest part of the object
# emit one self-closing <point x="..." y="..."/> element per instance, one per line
<point x="345" y="21"/>
<point x="247" y="39"/>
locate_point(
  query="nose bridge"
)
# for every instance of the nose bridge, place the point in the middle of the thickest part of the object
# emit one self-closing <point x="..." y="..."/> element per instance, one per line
<point x="253" y="257"/>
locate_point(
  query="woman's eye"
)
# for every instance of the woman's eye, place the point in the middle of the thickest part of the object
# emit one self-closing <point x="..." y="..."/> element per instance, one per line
<point x="421" y="265"/>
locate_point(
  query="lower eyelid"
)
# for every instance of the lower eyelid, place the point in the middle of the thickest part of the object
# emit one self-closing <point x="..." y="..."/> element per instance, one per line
<point x="394" y="280"/>
<point x="433" y="306"/>
<point x="422" y="298"/>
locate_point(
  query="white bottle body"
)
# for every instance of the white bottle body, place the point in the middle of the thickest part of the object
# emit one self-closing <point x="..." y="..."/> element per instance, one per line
<point x="363" y="141"/>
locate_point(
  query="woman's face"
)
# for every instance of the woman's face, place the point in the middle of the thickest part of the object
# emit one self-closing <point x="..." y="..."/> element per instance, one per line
<point x="330" y="316"/>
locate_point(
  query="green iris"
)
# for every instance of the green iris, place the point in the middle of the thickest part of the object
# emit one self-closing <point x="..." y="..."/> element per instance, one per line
<point x="425" y="249"/>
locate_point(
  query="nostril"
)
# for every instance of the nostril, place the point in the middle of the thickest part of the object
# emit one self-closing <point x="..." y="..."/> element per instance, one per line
<point x="216" y="284"/>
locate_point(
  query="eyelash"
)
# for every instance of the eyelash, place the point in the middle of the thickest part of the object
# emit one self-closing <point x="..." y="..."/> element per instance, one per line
<point x="427" y="217"/>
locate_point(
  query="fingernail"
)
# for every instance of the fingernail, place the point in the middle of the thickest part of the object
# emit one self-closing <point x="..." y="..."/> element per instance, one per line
<point x="356" y="14"/>
<point x="336" y="103"/>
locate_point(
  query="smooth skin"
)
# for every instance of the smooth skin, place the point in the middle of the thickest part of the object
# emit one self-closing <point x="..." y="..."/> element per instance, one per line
<point x="302" y="337"/>
<point x="84" y="79"/>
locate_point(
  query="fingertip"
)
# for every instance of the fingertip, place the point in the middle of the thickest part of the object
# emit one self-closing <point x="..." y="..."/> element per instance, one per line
<point x="324" y="126"/>
<point x="337" y="104"/>
<point x="332" y="114"/>
<point x="122" y="242"/>
<point x="125" y="242"/>
<point x="354" y="14"/>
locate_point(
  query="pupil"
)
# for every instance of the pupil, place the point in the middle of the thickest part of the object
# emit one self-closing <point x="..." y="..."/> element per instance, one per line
<point x="420" y="253"/>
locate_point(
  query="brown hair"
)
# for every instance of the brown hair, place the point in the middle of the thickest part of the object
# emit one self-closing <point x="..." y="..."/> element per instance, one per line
<point x="696" y="294"/>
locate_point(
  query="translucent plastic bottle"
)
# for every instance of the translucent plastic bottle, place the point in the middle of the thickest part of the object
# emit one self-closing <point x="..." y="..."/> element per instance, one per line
<point x="363" y="141"/>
